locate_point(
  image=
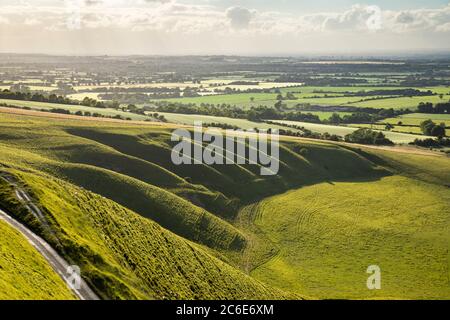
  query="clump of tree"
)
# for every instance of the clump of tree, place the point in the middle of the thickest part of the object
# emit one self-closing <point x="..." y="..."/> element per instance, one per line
<point x="438" y="108"/>
<point x="221" y="125"/>
<point x="430" y="128"/>
<point x="303" y="132"/>
<point x="59" y="110"/>
<point x="368" y="136"/>
<point x="288" y="96"/>
<point x="431" y="143"/>
<point x="358" y="117"/>
<point x="159" y="117"/>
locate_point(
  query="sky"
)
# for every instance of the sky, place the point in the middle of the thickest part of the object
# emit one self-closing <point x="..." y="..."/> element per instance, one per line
<point x="251" y="27"/>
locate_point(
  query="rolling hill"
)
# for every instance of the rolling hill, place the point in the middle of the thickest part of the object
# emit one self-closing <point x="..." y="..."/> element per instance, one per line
<point x="141" y="227"/>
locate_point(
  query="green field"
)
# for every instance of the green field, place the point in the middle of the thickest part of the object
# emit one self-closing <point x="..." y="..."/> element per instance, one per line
<point x="241" y="123"/>
<point x="396" y="137"/>
<point x="334" y="231"/>
<point x="141" y="227"/>
<point x="410" y="123"/>
<point x="399" y="103"/>
<point x="72" y="108"/>
<point x="414" y="119"/>
<point x="312" y="95"/>
<point x="382" y="127"/>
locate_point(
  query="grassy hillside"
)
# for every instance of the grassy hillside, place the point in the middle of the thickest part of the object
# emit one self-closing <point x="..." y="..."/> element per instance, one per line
<point x="24" y="274"/>
<point x="125" y="256"/>
<point x="109" y="112"/>
<point x="142" y="228"/>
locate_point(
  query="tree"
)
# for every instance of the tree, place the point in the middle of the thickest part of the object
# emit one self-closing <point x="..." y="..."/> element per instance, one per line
<point x="438" y="131"/>
<point x="430" y="128"/>
<point x="368" y="136"/>
<point x="388" y="127"/>
<point x="290" y="96"/>
<point x="335" y="118"/>
<point x="425" y="107"/>
<point x="426" y="126"/>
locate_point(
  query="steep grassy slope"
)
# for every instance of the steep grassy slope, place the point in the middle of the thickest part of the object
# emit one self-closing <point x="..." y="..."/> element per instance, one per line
<point x="24" y="274"/>
<point x="49" y="150"/>
<point x="124" y="256"/>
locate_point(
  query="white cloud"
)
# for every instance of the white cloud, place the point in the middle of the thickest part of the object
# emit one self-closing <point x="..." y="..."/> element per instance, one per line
<point x="239" y="17"/>
<point x="357" y="18"/>
<point x="140" y="24"/>
<point x="423" y="20"/>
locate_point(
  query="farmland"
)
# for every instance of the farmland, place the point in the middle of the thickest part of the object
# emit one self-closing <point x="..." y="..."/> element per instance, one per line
<point x="408" y="123"/>
<point x="72" y="108"/>
<point x="414" y="119"/>
<point x="321" y="96"/>
<point x="403" y="134"/>
<point x="240" y="123"/>
<point x="396" y="137"/>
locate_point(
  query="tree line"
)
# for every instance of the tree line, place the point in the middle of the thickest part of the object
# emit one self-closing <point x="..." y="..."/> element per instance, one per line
<point x="53" y="98"/>
<point x="438" y="108"/>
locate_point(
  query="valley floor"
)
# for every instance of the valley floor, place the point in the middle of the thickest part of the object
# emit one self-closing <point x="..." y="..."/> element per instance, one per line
<point x="328" y="234"/>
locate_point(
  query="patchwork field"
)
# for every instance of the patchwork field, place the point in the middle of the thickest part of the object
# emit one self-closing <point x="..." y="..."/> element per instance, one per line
<point x="189" y="119"/>
<point x="396" y="137"/>
<point x="400" y="103"/>
<point x="327" y="96"/>
<point x="414" y="119"/>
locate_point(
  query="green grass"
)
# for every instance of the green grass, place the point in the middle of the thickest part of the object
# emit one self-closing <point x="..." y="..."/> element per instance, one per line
<point x="329" y="233"/>
<point x="142" y="228"/>
<point x="126" y="256"/>
<point x="241" y="123"/>
<point x="307" y="95"/>
<point x="72" y="108"/>
<point x="24" y="273"/>
<point x="382" y="127"/>
<point x="396" y="137"/>
<point x="414" y="119"/>
<point x="122" y="254"/>
<point x="400" y="103"/>
<point x="410" y="122"/>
